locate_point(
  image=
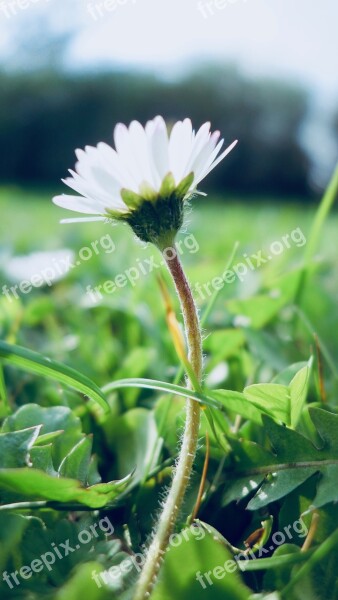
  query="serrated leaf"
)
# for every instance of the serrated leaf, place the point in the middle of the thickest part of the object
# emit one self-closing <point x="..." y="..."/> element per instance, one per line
<point x="41" y="458"/>
<point x="294" y="460"/>
<point x="15" y="447"/>
<point x="279" y="485"/>
<point x="58" y="424"/>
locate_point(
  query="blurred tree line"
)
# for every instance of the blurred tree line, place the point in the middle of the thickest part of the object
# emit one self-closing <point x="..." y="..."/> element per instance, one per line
<point x="46" y="114"/>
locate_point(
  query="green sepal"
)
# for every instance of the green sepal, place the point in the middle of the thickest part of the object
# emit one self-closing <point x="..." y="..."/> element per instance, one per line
<point x="147" y="192"/>
<point x="131" y="199"/>
<point x="168" y="186"/>
<point x="184" y="186"/>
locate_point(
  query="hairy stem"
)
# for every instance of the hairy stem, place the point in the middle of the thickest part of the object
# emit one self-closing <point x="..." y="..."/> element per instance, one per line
<point x="188" y="448"/>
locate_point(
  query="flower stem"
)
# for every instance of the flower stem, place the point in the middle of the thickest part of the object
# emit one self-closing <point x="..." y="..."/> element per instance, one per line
<point x="187" y="453"/>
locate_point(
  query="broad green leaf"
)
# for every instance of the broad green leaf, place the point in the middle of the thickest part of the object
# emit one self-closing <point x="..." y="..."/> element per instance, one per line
<point x="327" y="489"/>
<point x="280" y="484"/>
<point x="187" y="561"/>
<point x="36" y="484"/>
<point x="40" y="365"/>
<point x="282" y="402"/>
<point x="237" y="403"/>
<point x="271" y="398"/>
<point x="293" y="460"/>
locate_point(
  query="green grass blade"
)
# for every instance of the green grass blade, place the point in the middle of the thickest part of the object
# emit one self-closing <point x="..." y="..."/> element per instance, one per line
<point x="325" y="206"/>
<point x="40" y="365"/>
<point x="4" y="404"/>
<point x="161" y="386"/>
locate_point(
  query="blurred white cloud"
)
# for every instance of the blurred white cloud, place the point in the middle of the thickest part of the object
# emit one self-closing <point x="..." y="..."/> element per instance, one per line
<point x="295" y="38"/>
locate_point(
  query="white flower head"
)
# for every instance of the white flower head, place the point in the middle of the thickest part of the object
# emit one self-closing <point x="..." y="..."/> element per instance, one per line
<point x="146" y="178"/>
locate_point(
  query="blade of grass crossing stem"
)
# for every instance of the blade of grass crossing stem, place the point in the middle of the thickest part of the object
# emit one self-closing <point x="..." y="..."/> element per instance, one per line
<point x="161" y="386"/>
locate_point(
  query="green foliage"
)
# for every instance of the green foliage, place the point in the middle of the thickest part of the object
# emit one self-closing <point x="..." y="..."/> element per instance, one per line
<point x="292" y="461"/>
<point x="73" y="451"/>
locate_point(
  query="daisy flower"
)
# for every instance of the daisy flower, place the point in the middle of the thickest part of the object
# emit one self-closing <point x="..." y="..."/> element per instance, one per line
<point x="145" y="180"/>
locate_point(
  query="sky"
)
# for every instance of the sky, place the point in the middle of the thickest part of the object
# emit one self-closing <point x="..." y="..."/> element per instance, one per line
<point x="295" y="39"/>
<point x="291" y="38"/>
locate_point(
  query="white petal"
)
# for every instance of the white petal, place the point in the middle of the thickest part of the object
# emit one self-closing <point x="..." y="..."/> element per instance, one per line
<point x="141" y="153"/>
<point x="180" y="144"/>
<point x="83" y="219"/>
<point x="78" y="204"/>
<point x="207" y="156"/>
<point x="217" y="161"/>
<point x="157" y="134"/>
<point x="89" y="190"/>
<point x="124" y="149"/>
<point x="115" y="165"/>
<point x="198" y="143"/>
